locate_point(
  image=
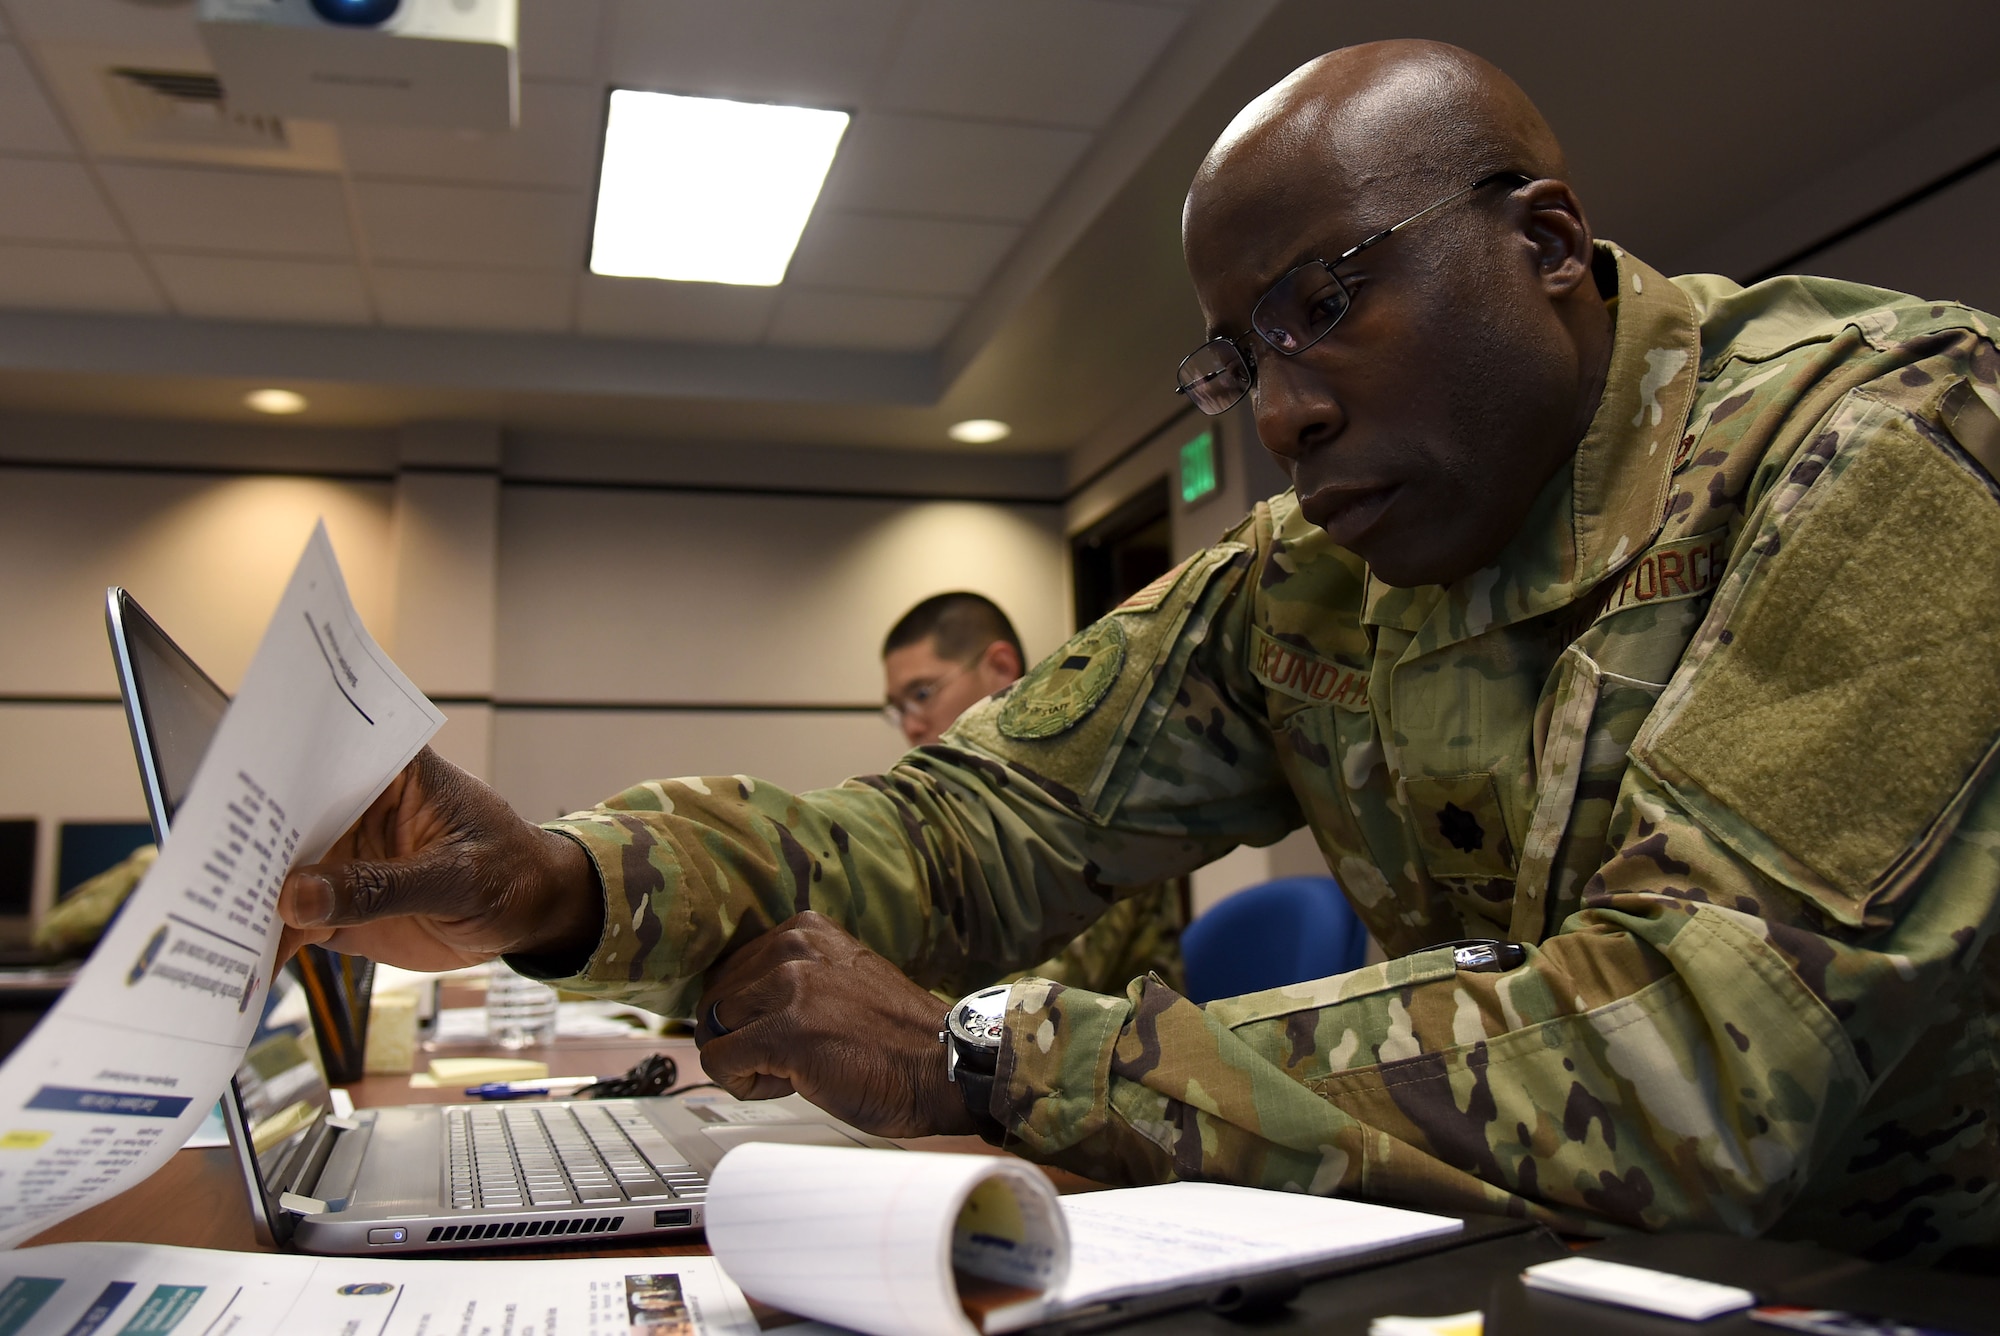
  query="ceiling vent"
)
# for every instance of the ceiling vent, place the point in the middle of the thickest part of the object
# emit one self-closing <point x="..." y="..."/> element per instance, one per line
<point x="187" y="109"/>
<point x="126" y="105"/>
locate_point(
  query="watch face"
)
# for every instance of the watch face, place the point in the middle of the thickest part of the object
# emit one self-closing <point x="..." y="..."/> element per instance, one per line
<point x="981" y="1019"/>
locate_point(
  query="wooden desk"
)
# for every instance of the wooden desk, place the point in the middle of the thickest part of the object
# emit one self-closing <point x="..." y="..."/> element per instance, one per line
<point x="197" y="1198"/>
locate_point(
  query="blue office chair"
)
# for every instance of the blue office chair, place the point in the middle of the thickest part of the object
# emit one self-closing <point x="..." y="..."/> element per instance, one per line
<point x="1268" y="935"/>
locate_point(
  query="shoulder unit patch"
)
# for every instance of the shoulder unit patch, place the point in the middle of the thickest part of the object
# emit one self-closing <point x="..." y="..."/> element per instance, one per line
<point x="1062" y="689"/>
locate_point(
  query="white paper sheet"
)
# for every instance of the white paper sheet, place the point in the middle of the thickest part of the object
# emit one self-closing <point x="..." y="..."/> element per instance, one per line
<point x="866" y="1238"/>
<point x="67" y="1289"/>
<point x="1126" y="1241"/>
<point x="124" y="1068"/>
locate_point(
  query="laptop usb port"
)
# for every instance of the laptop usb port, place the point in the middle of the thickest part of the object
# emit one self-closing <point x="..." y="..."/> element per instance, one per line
<point x="669" y="1219"/>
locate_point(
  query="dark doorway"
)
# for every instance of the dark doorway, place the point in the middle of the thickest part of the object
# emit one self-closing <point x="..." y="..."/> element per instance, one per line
<point x="1122" y="553"/>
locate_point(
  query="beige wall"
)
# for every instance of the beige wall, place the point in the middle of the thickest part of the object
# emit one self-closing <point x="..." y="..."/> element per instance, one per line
<point x="654" y="600"/>
<point x="206" y="555"/>
<point x="495" y="596"/>
<point x="665" y="597"/>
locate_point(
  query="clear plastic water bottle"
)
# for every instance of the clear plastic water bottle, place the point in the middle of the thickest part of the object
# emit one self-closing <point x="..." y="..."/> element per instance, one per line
<point x="519" y="1011"/>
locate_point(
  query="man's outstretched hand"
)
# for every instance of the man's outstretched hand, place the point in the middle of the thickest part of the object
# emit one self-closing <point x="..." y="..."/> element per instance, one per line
<point x="439" y="872"/>
<point x="809" y="1009"/>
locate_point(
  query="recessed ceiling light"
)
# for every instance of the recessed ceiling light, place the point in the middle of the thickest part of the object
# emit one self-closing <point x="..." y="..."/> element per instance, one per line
<point x="275" y="401"/>
<point x="980" y="431"/>
<point x="706" y="190"/>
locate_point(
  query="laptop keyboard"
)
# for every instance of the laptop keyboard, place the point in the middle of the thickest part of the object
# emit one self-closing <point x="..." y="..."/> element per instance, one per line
<point x="519" y="1155"/>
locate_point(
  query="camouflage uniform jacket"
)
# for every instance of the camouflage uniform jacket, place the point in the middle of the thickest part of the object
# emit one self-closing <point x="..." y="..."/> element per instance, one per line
<point x="1713" y="738"/>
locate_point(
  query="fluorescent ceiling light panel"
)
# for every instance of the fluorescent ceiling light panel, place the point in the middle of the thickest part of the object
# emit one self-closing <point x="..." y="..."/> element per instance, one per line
<point x="705" y="190"/>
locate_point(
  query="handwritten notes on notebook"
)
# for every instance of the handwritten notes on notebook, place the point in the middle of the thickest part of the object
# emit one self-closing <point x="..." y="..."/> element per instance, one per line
<point x="893" y="1242"/>
<point x="128" y="1063"/>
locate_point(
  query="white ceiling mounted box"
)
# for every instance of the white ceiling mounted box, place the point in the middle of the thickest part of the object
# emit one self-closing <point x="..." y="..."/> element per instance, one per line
<point x="444" y="63"/>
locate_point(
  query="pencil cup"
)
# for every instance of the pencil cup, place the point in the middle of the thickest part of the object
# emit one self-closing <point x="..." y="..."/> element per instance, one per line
<point x="519" y="1011"/>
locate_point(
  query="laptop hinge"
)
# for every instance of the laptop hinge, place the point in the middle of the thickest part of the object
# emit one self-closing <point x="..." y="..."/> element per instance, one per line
<point x="297" y="1205"/>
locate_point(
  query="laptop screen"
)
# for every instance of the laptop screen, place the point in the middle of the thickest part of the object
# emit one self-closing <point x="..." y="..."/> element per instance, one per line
<point x="173" y="706"/>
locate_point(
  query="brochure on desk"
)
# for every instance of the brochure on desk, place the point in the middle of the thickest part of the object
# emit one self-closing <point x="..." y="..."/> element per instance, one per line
<point x="78" y="1289"/>
<point x="127" y="1064"/>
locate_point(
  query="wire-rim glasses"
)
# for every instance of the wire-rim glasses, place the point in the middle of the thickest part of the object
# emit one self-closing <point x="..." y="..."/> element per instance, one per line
<point x="1298" y="311"/>
<point x="916" y="699"/>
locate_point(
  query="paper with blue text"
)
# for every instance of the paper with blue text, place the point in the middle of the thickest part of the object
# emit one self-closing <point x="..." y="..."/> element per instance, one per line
<point x="123" y="1069"/>
<point x="68" y="1289"/>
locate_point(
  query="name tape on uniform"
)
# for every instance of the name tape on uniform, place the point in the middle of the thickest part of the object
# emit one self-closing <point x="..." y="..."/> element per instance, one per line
<point x="1684" y="568"/>
<point x="1305" y="676"/>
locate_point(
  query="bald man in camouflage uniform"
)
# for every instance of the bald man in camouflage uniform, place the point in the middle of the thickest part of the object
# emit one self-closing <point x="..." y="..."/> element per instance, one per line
<point x="1709" y="728"/>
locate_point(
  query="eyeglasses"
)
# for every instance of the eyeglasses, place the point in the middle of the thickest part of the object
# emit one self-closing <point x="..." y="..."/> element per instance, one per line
<point x="916" y="699"/>
<point x="1295" y="314"/>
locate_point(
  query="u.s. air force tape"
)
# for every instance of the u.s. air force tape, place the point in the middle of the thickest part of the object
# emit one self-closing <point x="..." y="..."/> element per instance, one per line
<point x="1063" y="688"/>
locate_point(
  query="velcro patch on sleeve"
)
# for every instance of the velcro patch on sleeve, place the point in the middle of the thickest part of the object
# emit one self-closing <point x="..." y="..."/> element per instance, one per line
<point x="1063" y="688"/>
<point x="1306" y="676"/>
<point x="1855" y="690"/>
<point x="1683" y="568"/>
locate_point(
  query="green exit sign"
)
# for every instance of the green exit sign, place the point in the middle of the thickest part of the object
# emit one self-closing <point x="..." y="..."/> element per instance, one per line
<point x="1198" y="468"/>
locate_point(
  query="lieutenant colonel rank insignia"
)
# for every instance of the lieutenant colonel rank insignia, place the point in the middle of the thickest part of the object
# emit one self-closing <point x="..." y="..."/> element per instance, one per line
<point x="1063" y="688"/>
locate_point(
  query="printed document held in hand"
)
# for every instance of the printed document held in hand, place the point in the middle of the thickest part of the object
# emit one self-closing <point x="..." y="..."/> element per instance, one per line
<point x="123" y="1069"/>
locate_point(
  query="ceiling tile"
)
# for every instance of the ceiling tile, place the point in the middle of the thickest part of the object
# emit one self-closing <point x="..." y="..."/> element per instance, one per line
<point x="26" y="122"/>
<point x="1055" y="62"/>
<point x="492" y="299"/>
<point x="810" y="319"/>
<point x="559" y="38"/>
<point x="158" y="27"/>
<point x="909" y="256"/>
<point x="43" y="200"/>
<point x="472" y="225"/>
<point x="73" y="279"/>
<point x="951" y="168"/>
<point x="810" y="52"/>
<point x="255" y="213"/>
<point x="655" y="309"/>
<point x="556" y="144"/>
<point x="229" y="287"/>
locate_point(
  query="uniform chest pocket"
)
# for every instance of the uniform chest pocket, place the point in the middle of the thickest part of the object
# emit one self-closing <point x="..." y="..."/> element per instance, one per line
<point x="1461" y="826"/>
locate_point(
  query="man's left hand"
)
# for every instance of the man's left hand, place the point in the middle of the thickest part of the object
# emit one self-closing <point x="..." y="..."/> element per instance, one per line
<point x="809" y="1009"/>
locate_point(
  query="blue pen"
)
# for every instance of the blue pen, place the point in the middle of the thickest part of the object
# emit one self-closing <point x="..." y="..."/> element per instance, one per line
<point x="522" y="1089"/>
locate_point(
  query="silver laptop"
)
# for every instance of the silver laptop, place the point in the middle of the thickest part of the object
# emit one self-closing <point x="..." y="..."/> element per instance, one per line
<point x="426" y="1177"/>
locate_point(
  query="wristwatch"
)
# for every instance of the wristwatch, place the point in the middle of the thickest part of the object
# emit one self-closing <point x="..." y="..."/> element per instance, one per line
<point x="974" y="1027"/>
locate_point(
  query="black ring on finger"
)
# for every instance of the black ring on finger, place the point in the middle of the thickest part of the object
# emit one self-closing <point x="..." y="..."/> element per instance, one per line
<point x="715" y="1024"/>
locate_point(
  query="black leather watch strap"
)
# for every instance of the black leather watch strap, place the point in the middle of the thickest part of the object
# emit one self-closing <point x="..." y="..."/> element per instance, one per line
<point x="977" y="1090"/>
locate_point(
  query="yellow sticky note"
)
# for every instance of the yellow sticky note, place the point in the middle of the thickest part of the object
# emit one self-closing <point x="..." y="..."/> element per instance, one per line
<point x="448" y="1072"/>
<point x="23" y="1140"/>
<point x="1452" y="1324"/>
